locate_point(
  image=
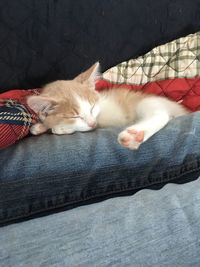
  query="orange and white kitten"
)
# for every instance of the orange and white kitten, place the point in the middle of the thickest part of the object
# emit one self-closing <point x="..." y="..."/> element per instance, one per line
<point x="74" y="105"/>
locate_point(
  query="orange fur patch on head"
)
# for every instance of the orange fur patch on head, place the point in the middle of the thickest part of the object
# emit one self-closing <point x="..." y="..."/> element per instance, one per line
<point x="69" y="102"/>
<point x="66" y="94"/>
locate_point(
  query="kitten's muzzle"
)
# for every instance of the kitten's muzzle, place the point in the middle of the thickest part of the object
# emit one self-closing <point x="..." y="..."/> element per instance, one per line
<point x="92" y="124"/>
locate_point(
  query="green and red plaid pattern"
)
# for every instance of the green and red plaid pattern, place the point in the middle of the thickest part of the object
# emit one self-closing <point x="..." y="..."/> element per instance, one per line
<point x="177" y="59"/>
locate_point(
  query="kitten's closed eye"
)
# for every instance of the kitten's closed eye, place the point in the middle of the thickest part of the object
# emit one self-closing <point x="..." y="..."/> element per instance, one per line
<point x="70" y="117"/>
<point x="76" y="116"/>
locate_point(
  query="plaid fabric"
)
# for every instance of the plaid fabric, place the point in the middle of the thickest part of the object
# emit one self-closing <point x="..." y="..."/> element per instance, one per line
<point x="176" y="59"/>
<point x="15" y="117"/>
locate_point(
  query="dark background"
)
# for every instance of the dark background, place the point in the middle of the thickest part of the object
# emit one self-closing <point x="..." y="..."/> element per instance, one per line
<point x="45" y="40"/>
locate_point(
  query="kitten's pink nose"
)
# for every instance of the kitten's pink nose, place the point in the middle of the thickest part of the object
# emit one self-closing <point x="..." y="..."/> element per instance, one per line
<point x="92" y="123"/>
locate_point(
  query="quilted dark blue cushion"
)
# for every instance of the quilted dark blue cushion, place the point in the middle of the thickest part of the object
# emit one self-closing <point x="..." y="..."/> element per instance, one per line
<point x="41" y="41"/>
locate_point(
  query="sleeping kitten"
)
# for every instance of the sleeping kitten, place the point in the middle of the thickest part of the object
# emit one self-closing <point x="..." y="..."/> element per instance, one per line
<point x="69" y="106"/>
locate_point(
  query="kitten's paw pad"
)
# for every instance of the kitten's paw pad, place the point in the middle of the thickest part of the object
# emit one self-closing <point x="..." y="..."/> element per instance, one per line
<point x="37" y="129"/>
<point x="131" y="138"/>
<point x="139" y="135"/>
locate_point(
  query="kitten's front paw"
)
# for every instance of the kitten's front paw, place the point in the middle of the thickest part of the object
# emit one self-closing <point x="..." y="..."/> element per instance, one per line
<point x="61" y="129"/>
<point x="131" y="138"/>
<point x="37" y="129"/>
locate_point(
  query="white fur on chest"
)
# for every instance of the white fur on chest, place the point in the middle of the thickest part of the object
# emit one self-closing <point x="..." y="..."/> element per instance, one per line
<point x="110" y="114"/>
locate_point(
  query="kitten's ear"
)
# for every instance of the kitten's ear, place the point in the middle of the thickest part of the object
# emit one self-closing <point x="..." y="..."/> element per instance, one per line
<point x="90" y="75"/>
<point x="41" y="104"/>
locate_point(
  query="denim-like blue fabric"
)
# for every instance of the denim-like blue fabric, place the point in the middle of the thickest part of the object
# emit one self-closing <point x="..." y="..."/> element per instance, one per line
<point x="149" y="229"/>
<point x="44" y="173"/>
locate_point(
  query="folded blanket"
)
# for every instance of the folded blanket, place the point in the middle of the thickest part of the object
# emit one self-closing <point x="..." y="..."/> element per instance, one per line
<point x="176" y="59"/>
<point x="171" y="70"/>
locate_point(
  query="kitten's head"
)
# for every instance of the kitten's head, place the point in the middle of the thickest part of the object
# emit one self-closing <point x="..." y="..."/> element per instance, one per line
<point x="72" y="104"/>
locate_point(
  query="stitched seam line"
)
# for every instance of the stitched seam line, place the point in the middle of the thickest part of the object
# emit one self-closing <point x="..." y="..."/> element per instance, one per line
<point x="96" y="196"/>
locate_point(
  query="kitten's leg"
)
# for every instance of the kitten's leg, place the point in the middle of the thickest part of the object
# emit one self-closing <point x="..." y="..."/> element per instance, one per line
<point x="38" y="128"/>
<point x="133" y="136"/>
<point x="153" y="115"/>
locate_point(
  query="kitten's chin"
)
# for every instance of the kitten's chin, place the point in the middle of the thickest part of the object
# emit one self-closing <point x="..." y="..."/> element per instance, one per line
<point x="87" y="130"/>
